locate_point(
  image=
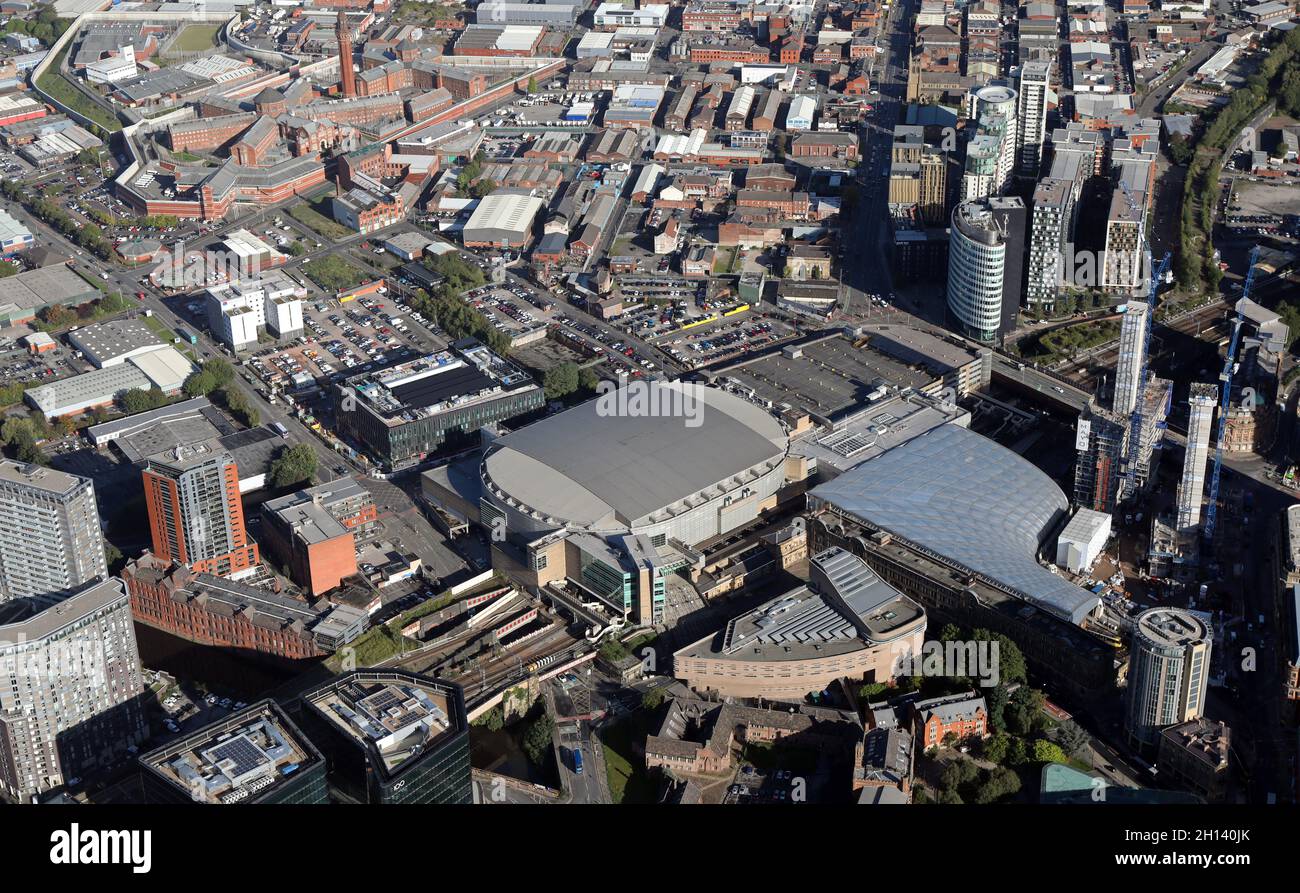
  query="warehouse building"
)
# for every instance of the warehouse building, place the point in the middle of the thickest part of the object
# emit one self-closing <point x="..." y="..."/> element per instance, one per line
<point x="191" y="425"/>
<point x="554" y="15"/>
<point x="14" y="235"/>
<point x="26" y="294"/>
<point x="108" y="432"/>
<point x="502" y="220"/>
<point x="114" y="342"/>
<point x="499" y="40"/>
<point x="164" y="369"/>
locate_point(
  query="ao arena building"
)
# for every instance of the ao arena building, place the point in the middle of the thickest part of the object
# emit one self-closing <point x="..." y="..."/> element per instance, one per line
<point x="614" y="496"/>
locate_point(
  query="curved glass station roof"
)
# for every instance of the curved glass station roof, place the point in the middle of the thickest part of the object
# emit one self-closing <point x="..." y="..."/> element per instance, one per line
<point x="971" y="501"/>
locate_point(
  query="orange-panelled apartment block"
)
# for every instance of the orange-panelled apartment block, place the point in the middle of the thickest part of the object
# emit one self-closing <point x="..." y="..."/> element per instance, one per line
<point x="195" y="514"/>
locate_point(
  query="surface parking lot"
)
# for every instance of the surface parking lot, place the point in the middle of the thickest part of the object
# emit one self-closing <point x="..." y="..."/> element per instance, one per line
<point x="340" y="340"/>
<point x="510" y="312"/>
<point x="18" y="365"/>
<point x="621" y="358"/>
<point x="726" y="338"/>
<point x="1260" y="209"/>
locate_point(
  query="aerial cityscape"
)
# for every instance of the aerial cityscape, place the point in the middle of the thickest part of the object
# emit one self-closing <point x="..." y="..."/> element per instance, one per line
<point x="748" y="402"/>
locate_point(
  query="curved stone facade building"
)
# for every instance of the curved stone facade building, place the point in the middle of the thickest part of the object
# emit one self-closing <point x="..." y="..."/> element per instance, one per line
<point x="846" y="623"/>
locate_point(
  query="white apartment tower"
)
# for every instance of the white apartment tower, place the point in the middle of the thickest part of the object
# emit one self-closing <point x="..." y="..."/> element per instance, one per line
<point x="51" y="541"/>
<point x="71" y="695"/>
<point x="1034" y="84"/>
<point x="995" y="109"/>
<point x="1191" y="488"/>
<point x="1132" y="356"/>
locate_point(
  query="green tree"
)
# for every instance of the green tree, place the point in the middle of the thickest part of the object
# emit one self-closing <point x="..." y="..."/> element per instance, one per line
<point x="113" y="302"/>
<point x="1047" y="752"/>
<point x="653" y="698"/>
<point x="20" y="436"/>
<point x="1011" y="661"/>
<point x="560" y="381"/>
<point x="494" y="720"/>
<point x="11" y="392"/>
<point x="588" y="380"/>
<point x="293" y="465"/>
<point x="537" y="740"/>
<point x="995" y="699"/>
<point x="57" y="317"/>
<point x="957" y="773"/>
<point x="200" y="384"/>
<point x="1072" y="737"/>
<point x="114" y="557"/>
<point x="1024" y="712"/>
<point x="238" y="403"/>
<point x="139" y="400"/>
<point x="872" y="690"/>
<point x="221" y="371"/>
<point x="997" y="747"/>
<point x="999" y="783"/>
<point x="481" y="188"/>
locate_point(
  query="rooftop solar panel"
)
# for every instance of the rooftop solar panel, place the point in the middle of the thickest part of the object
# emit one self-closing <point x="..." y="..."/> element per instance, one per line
<point x="244" y="755"/>
<point x="436" y="388"/>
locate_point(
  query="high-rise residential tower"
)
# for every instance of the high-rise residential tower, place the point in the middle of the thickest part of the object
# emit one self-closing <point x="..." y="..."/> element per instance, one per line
<point x="195" y="514"/>
<point x="1132" y="357"/>
<point x="994" y="108"/>
<point x="986" y="265"/>
<point x="51" y="539"/>
<point x="1191" y="488"/>
<point x="1169" y="669"/>
<point x="1033" y="83"/>
<point x="1049" y="235"/>
<point x="71" y="696"/>
<point x="1100" y="441"/>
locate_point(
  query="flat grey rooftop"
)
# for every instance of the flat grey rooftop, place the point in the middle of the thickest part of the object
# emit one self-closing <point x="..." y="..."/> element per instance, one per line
<point x="584" y="467"/>
<point x="830" y="378"/>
